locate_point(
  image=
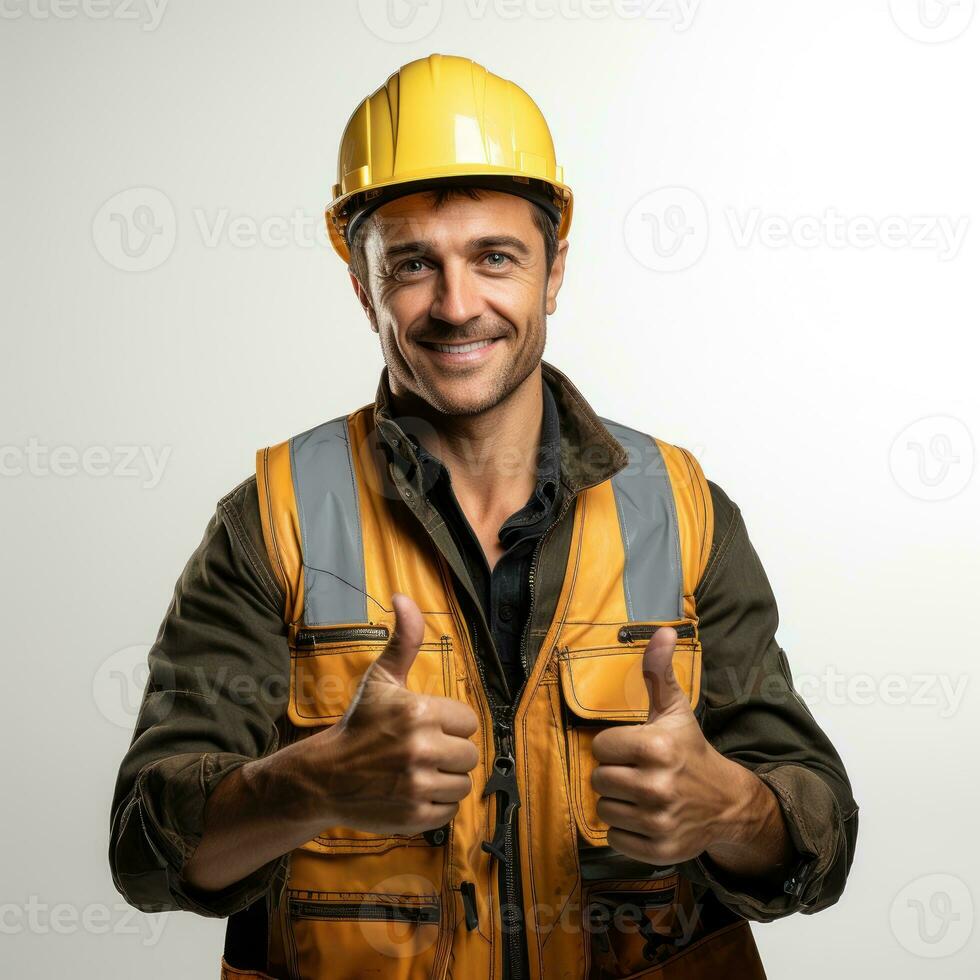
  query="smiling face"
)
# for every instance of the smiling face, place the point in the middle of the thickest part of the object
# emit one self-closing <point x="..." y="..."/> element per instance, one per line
<point x="459" y="295"/>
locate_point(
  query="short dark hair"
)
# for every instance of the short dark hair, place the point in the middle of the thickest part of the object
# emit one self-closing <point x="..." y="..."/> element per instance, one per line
<point x="543" y="221"/>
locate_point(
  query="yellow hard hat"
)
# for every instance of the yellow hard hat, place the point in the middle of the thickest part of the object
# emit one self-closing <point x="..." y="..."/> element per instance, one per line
<point x="439" y="121"/>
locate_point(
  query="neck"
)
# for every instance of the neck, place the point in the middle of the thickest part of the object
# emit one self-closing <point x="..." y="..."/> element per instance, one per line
<point x="491" y="456"/>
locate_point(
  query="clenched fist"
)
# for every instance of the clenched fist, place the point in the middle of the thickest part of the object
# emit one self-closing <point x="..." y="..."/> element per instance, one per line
<point x="397" y="761"/>
<point x="665" y="791"/>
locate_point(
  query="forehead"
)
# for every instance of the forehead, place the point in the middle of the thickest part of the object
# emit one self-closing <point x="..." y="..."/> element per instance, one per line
<point x="455" y="222"/>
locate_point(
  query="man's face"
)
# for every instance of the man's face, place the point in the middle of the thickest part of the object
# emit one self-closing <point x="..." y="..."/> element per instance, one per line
<point x="469" y="272"/>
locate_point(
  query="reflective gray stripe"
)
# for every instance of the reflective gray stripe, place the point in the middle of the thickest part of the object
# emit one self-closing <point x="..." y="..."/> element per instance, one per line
<point x="653" y="580"/>
<point x="330" y="525"/>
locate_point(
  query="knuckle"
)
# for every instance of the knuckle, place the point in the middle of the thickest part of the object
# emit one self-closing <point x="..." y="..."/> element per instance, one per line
<point x="656" y="747"/>
<point x="418" y="750"/>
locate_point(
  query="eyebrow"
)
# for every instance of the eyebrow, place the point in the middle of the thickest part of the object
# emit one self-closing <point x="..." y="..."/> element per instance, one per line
<point x="425" y="247"/>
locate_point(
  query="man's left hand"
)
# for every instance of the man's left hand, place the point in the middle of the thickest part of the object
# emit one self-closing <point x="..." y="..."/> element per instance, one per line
<point x="665" y="791"/>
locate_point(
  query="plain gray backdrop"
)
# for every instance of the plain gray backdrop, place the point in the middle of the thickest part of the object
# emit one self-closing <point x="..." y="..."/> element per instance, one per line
<point x="772" y="263"/>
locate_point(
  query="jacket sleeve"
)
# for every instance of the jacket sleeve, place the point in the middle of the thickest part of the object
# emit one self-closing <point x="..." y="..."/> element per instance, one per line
<point x="218" y="683"/>
<point x="754" y="716"/>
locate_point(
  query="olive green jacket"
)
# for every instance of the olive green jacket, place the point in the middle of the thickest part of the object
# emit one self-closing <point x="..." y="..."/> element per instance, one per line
<point x="219" y="683"/>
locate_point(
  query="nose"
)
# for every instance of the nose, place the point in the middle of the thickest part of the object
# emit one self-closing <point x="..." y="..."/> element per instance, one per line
<point x="457" y="298"/>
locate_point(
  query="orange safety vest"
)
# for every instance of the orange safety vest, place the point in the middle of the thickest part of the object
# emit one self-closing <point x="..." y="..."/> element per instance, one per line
<point x="359" y="905"/>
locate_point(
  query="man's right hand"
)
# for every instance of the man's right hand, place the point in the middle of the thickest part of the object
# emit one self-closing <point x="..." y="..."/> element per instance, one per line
<point x="397" y="761"/>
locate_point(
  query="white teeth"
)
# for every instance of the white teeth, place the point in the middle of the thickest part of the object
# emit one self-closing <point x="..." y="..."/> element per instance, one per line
<point x="461" y="348"/>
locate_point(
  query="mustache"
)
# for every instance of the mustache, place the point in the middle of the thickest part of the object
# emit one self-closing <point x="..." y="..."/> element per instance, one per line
<point x="436" y="336"/>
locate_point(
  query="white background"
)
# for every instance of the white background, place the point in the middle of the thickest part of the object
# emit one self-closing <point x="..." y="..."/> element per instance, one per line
<point x="825" y="378"/>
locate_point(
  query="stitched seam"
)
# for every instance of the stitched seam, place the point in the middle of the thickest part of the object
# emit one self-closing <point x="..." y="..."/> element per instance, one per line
<point x="626" y="548"/>
<point x="699" y="499"/>
<point x="238" y="528"/>
<point x="721" y="555"/>
<point x="676" y="536"/>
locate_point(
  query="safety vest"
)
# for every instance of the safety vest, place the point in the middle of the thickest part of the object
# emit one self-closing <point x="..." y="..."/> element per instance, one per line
<point x="433" y="905"/>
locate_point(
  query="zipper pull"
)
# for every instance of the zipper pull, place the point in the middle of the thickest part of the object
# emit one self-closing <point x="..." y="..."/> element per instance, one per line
<point x="467" y="889"/>
<point x="503" y="780"/>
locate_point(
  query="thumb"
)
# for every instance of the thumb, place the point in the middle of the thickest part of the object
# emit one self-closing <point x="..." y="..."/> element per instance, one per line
<point x="666" y="695"/>
<point x="403" y="645"/>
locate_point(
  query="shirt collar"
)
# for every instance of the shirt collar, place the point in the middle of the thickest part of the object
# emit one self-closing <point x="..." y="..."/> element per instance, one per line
<point x="576" y="447"/>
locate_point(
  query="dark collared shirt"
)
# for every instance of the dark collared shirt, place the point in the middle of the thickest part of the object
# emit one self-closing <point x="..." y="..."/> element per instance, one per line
<point x="504" y="590"/>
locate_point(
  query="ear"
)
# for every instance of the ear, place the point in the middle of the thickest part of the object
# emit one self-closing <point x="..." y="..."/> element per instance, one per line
<point x="556" y="276"/>
<point x="363" y="298"/>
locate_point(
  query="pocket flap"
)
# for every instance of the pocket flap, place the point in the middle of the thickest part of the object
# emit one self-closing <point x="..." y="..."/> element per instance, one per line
<point x="328" y="663"/>
<point x="606" y="682"/>
<point x="602" y="683"/>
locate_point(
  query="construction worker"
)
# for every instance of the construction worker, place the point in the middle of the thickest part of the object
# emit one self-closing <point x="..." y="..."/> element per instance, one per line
<point x="471" y="681"/>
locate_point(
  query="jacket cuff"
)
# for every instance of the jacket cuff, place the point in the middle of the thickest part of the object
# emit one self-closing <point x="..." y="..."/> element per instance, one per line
<point x="171" y="795"/>
<point x="813" y="822"/>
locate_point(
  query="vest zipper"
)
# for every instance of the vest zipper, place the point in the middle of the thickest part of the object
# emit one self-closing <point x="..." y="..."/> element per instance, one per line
<point x="502" y="846"/>
<point x="308" y="638"/>
<point x="643" y="631"/>
<point x="534" y="564"/>
<point x="368" y="911"/>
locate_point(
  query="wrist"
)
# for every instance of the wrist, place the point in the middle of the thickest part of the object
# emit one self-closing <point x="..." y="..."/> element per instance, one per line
<point x="744" y="813"/>
<point x="298" y="779"/>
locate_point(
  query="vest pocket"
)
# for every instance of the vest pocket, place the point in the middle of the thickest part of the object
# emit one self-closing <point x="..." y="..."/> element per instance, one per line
<point x="354" y="935"/>
<point x="657" y="929"/>
<point x="602" y="685"/>
<point x="630" y="923"/>
<point x="326" y="667"/>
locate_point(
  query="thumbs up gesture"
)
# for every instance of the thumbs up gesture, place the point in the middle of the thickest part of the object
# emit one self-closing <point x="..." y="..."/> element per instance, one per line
<point x="397" y="761"/>
<point x="664" y="790"/>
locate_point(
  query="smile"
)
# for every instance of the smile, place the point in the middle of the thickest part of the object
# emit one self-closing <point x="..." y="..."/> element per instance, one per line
<point x="458" y="348"/>
<point x="469" y="353"/>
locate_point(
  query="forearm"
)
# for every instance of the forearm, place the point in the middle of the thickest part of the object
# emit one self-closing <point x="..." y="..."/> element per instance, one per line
<point x="257" y="813"/>
<point x="753" y="839"/>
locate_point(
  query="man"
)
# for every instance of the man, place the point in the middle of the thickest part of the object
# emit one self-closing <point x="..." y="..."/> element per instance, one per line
<point x="472" y="682"/>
